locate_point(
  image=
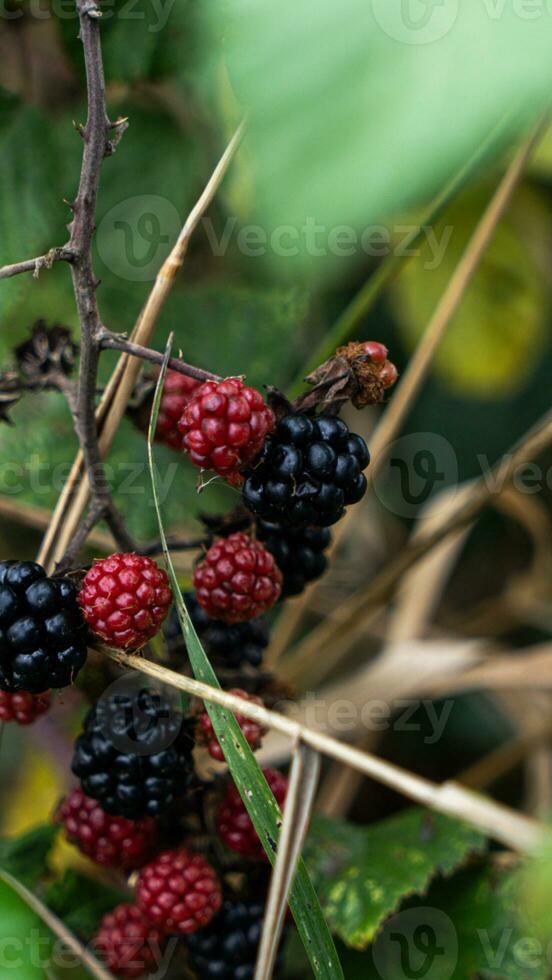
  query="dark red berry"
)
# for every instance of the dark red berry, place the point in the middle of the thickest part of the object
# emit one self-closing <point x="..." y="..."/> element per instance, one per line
<point x="388" y="375"/>
<point x="234" y="825"/>
<point x="178" y="390"/>
<point x="179" y="892"/>
<point x="124" y="599"/>
<point x="22" y="707"/>
<point x="112" y="841"/>
<point x="128" y="943"/>
<point x="375" y="351"/>
<point x="237" y="580"/>
<point x="252" y="731"/>
<point x="224" y="425"/>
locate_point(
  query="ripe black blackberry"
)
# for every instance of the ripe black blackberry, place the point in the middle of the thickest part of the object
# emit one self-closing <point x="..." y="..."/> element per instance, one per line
<point x="42" y="631"/>
<point x="299" y="552"/>
<point x="134" y="755"/>
<point x="230" y="645"/>
<point x="307" y="472"/>
<point x="227" y="949"/>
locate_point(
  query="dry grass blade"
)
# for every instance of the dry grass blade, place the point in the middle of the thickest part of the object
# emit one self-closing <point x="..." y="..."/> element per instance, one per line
<point x="500" y="822"/>
<point x="59" y="929"/>
<point x="305" y="769"/>
<point x="72" y="503"/>
<point x="420" y="363"/>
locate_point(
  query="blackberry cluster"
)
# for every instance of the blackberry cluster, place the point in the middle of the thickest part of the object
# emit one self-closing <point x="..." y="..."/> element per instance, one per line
<point x="299" y="552"/>
<point x="134" y="755"/>
<point x="230" y="645"/>
<point x="129" y="944"/>
<point x="227" y="949"/>
<point x="42" y="631"/>
<point x="307" y="472"/>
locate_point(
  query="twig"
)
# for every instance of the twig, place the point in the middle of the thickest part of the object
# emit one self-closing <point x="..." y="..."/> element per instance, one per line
<point x="58" y="928"/>
<point x="63" y="254"/>
<point x="95" y="136"/>
<point x="420" y="363"/>
<point x="69" y="512"/>
<point x="111" y="341"/>
<point x="499" y="822"/>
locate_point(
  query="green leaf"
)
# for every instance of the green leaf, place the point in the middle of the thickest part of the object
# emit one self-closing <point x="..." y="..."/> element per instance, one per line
<point x="26" y="857"/>
<point x="81" y="902"/>
<point x="356" y="113"/>
<point x="22" y="938"/>
<point x="498" y="333"/>
<point x="471" y="925"/>
<point x="363" y="873"/>
<point x="253" y="788"/>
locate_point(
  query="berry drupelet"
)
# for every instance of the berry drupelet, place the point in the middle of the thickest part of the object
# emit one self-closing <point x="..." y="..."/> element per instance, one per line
<point x="237" y="580"/>
<point x="233" y="823"/>
<point x="42" y="632"/>
<point x="23" y="708"/>
<point x="111" y="841"/>
<point x="299" y="552"/>
<point x="309" y="470"/>
<point x="179" y="892"/>
<point x="134" y="755"/>
<point x="252" y="731"/>
<point x="124" y="599"/>
<point x="224" y="425"/>
<point x="128" y="943"/>
<point x="227" y="949"/>
<point x="178" y="390"/>
<point x="230" y="645"/>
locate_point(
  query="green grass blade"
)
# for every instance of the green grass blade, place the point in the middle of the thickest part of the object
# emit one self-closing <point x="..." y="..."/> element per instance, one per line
<point x="245" y="771"/>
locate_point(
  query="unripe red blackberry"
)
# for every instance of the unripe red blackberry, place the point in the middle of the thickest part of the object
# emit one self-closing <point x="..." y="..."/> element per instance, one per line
<point x="42" y="632"/>
<point x="224" y="425"/>
<point x="111" y="841"/>
<point x="22" y="707"/>
<point x="237" y="580"/>
<point x="252" y="731"/>
<point x="179" y="892"/>
<point x="128" y="943"/>
<point x="124" y="599"/>
<point x="309" y="470"/>
<point x="178" y="390"/>
<point x="233" y="823"/>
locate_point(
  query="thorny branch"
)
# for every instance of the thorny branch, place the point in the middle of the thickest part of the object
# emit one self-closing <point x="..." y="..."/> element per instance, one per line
<point x="111" y="341"/>
<point x="95" y="135"/>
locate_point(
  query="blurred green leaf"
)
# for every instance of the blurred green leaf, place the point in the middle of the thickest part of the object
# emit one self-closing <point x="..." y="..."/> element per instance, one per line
<point x="26" y="857"/>
<point x="22" y="938"/>
<point x="497" y="335"/>
<point x="81" y="902"/>
<point x="361" y="110"/>
<point x="363" y="873"/>
<point x="471" y="925"/>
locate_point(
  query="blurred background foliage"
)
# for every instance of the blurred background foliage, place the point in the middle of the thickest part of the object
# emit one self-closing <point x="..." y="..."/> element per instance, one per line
<point x="413" y="118"/>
